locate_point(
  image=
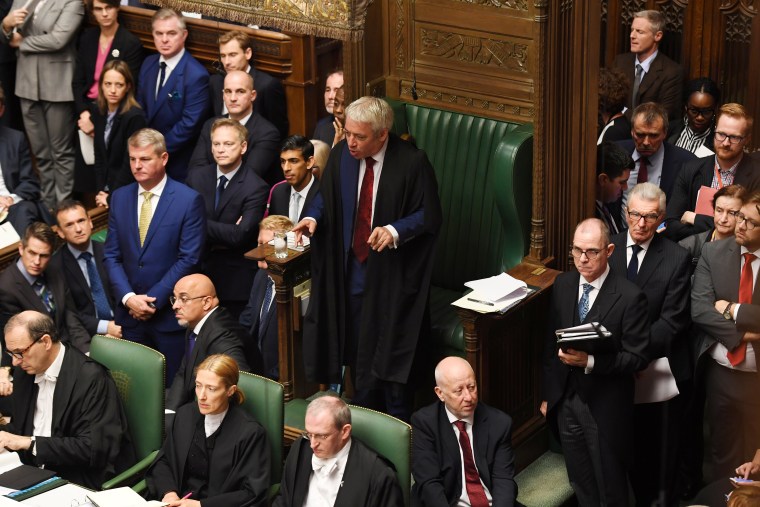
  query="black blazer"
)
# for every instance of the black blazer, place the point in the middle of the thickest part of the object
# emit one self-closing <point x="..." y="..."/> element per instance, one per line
<point x="16" y="165"/>
<point x="220" y="334"/>
<point x="664" y="277"/>
<point x="89" y="440"/>
<point x="692" y="177"/>
<point x="437" y="467"/>
<point x="662" y="84"/>
<point x="325" y="130"/>
<point x="622" y="308"/>
<point x="270" y="98"/>
<point x="264" y="355"/>
<point x="263" y="153"/>
<point x="279" y="204"/>
<point x="16" y="295"/>
<point x="112" y="161"/>
<point x="226" y="240"/>
<point x="126" y="46"/>
<point x="672" y="161"/>
<point x="64" y="262"/>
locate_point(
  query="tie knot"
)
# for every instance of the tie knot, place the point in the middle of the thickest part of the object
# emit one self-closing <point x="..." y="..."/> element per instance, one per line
<point x="147" y="195"/>
<point x="87" y="256"/>
<point x="587" y="287"/>
<point x="370" y="162"/>
<point x="636" y="249"/>
<point x="222" y="179"/>
<point x="163" y="65"/>
<point x="461" y="425"/>
<point x="749" y="257"/>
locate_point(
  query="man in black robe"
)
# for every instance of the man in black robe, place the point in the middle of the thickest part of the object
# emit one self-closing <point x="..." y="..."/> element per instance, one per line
<point x="376" y="221"/>
<point x="331" y="466"/>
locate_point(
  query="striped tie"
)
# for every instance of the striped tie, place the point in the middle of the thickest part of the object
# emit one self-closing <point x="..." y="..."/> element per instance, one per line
<point x="146" y="213"/>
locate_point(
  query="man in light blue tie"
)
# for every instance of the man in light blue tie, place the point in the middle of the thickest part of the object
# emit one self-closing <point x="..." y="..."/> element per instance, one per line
<point x="588" y="390"/>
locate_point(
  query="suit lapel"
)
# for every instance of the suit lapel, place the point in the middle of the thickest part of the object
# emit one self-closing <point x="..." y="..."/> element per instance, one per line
<point x="64" y="386"/>
<point x="171" y="84"/>
<point x="71" y="265"/>
<point x="652" y="261"/>
<point x="233" y="187"/>
<point x="605" y="300"/>
<point x="349" y="181"/>
<point x="26" y="292"/>
<point x="150" y="91"/>
<point x="652" y="76"/>
<point x="569" y="305"/>
<point x="164" y="204"/>
<point x="480" y="445"/>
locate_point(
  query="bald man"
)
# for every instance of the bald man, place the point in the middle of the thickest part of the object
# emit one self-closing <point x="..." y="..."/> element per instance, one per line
<point x="211" y="329"/>
<point x="442" y="447"/>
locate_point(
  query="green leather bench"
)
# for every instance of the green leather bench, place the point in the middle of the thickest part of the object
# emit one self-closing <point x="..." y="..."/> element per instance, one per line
<point x="484" y="172"/>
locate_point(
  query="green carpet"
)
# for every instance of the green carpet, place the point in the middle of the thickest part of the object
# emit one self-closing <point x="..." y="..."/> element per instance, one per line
<point x="544" y="483"/>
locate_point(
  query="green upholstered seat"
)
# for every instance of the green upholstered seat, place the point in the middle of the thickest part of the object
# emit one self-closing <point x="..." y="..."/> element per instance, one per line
<point x="139" y="375"/>
<point x="389" y="437"/>
<point x="484" y="172"/>
<point x="264" y="399"/>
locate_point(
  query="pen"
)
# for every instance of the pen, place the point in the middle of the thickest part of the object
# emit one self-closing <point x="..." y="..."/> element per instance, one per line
<point x="187" y="496"/>
<point x="479" y="301"/>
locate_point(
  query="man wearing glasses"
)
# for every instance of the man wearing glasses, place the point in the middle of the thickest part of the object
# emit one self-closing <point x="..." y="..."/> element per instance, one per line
<point x="660" y="268"/>
<point x="588" y="391"/>
<point x="725" y="308"/>
<point x="67" y="413"/>
<point x="211" y="329"/>
<point x="329" y="467"/>
<point x="729" y="166"/>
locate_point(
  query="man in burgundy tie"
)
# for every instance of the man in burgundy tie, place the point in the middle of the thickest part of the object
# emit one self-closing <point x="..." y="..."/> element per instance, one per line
<point x="376" y="220"/>
<point x="462" y="449"/>
<point x="726" y="310"/>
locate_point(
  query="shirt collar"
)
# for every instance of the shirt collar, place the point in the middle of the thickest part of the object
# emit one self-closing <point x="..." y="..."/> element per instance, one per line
<point x="729" y="170"/>
<point x="228" y="175"/>
<point x="630" y="242"/>
<point x="157" y="190"/>
<point x="244" y="119"/>
<point x="173" y="61"/>
<point x="452" y="418"/>
<point x="29" y="278"/>
<point x="305" y="190"/>
<point x="325" y="466"/>
<point x="597" y="284"/>
<point x="756" y="252"/>
<point x="54" y="370"/>
<point x="199" y="325"/>
<point x="646" y="64"/>
<point x="211" y="422"/>
<point x="76" y="253"/>
<point x="654" y="159"/>
<point x="380" y="155"/>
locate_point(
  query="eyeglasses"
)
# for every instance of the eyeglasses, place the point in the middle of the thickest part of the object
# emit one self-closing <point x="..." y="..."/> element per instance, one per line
<point x="183" y="299"/>
<point x="20" y="354"/>
<point x="695" y="111"/>
<point x="315" y="436"/>
<point x="649" y="218"/>
<point x="722" y="136"/>
<point x="748" y="222"/>
<point x="591" y="253"/>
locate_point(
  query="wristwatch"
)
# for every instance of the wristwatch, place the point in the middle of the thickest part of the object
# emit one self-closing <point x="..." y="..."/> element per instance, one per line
<point x="727" y="312"/>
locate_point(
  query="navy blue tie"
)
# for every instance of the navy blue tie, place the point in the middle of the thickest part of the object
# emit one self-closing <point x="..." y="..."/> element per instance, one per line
<point x="161" y="78"/>
<point x="266" y="309"/>
<point x="583" y="304"/>
<point x="191" y="336"/>
<point x="44" y="293"/>
<point x="633" y="266"/>
<point x="102" y="308"/>
<point x="220" y="190"/>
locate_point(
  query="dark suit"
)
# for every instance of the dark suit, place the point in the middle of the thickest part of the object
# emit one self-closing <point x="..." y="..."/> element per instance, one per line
<point x="672" y="161"/>
<point x="125" y="46"/>
<point x="262" y="345"/>
<point x="19" y="178"/>
<point x="89" y="439"/>
<point x="261" y="156"/>
<point x="733" y="410"/>
<point x="220" y="334"/>
<point x="64" y="262"/>
<point x="227" y="241"/>
<point x="325" y="130"/>
<point x="12" y="116"/>
<point x="270" y="99"/>
<point x="606" y="392"/>
<point x="17" y="295"/>
<point x="368" y="480"/>
<point x="279" y="203"/>
<point x="664" y="277"/>
<point x="662" y="84"/>
<point x="112" y="160"/>
<point x="179" y="110"/>
<point x="172" y="249"/>
<point x="436" y="463"/>
<point x="238" y="460"/>
<point x="691" y="178"/>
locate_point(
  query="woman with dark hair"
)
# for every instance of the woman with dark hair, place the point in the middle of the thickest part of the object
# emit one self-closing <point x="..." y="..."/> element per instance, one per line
<point x="98" y="45"/>
<point x="115" y="117"/>
<point x="613" y="93"/>
<point x="215" y="452"/>
<point x="697" y="127"/>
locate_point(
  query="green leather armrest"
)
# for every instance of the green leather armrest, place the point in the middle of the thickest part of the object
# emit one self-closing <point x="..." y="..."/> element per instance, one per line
<point x="132" y="472"/>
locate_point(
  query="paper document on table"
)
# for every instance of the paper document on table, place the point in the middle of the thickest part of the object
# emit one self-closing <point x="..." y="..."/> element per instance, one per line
<point x="479" y="303"/>
<point x="7" y="502"/>
<point x="496" y="288"/>
<point x="9" y="461"/>
<point x="121" y="497"/>
<point x="656" y="383"/>
<point x="68" y="494"/>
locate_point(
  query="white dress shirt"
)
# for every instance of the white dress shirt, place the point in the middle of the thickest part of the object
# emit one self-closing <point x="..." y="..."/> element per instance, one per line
<point x="629" y="242"/>
<point x="326" y="478"/>
<point x="171" y="64"/>
<point x="464" y="499"/>
<point x="212" y="422"/>
<point x="43" y="409"/>
<point x="294" y="214"/>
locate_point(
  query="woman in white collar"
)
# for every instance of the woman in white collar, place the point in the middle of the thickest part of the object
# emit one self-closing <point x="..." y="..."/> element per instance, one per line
<point x="215" y="453"/>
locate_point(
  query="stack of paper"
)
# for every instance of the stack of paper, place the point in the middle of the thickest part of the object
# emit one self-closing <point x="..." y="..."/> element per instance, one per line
<point x="581" y="337"/>
<point x="494" y="294"/>
<point x="120" y="497"/>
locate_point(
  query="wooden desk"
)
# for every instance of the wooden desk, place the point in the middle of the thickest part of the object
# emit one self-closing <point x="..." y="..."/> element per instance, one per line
<point x="506" y="353"/>
<point x="287" y="273"/>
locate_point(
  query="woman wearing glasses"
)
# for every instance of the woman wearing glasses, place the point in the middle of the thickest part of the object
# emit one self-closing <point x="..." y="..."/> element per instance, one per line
<point x="214" y="452"/>
<point x="695" y="131"/>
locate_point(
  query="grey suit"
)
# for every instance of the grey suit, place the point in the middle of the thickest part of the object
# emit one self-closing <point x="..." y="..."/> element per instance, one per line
<point x="45" y="69"/>
<point x="733" y="408"/>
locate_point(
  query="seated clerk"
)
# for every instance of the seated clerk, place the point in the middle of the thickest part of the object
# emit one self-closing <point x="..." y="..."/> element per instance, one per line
<point x="613" y="168"/>
<point x="290" y="198"/>
<point x="260" y="314"/>
<point x="215" y="453"/>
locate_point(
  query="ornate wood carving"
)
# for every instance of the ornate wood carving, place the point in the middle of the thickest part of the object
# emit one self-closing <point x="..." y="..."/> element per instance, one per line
<point x="479" y="50"/>
<point x="746" y="7"/>
<point x="473" y="105"/>
<point x="520" y="5"/>
<point x="738" y="27"/>
<point x="399" y="44"/>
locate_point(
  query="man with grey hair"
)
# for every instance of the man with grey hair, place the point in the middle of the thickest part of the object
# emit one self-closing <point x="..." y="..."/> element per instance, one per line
<point x="156" y="232"/>
<point x="67" y="414"/>
<point x="329" y="467"/>
<point x="654" y="76"/>
<point x="660" y="268"/>
<point x="376" y="221"/>
<point x="173" y="90"/>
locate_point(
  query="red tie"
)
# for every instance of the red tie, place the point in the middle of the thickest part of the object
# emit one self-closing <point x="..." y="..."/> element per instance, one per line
<point x="474" y="488"/>
<point x="737" y="355"/>
<point x="643" y="176"/>
<point x="364" y="213"/>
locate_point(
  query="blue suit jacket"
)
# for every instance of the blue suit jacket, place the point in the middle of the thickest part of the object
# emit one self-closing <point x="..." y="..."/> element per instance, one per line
<point x="179" y="110"/>
<point x="172" y="249"/>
